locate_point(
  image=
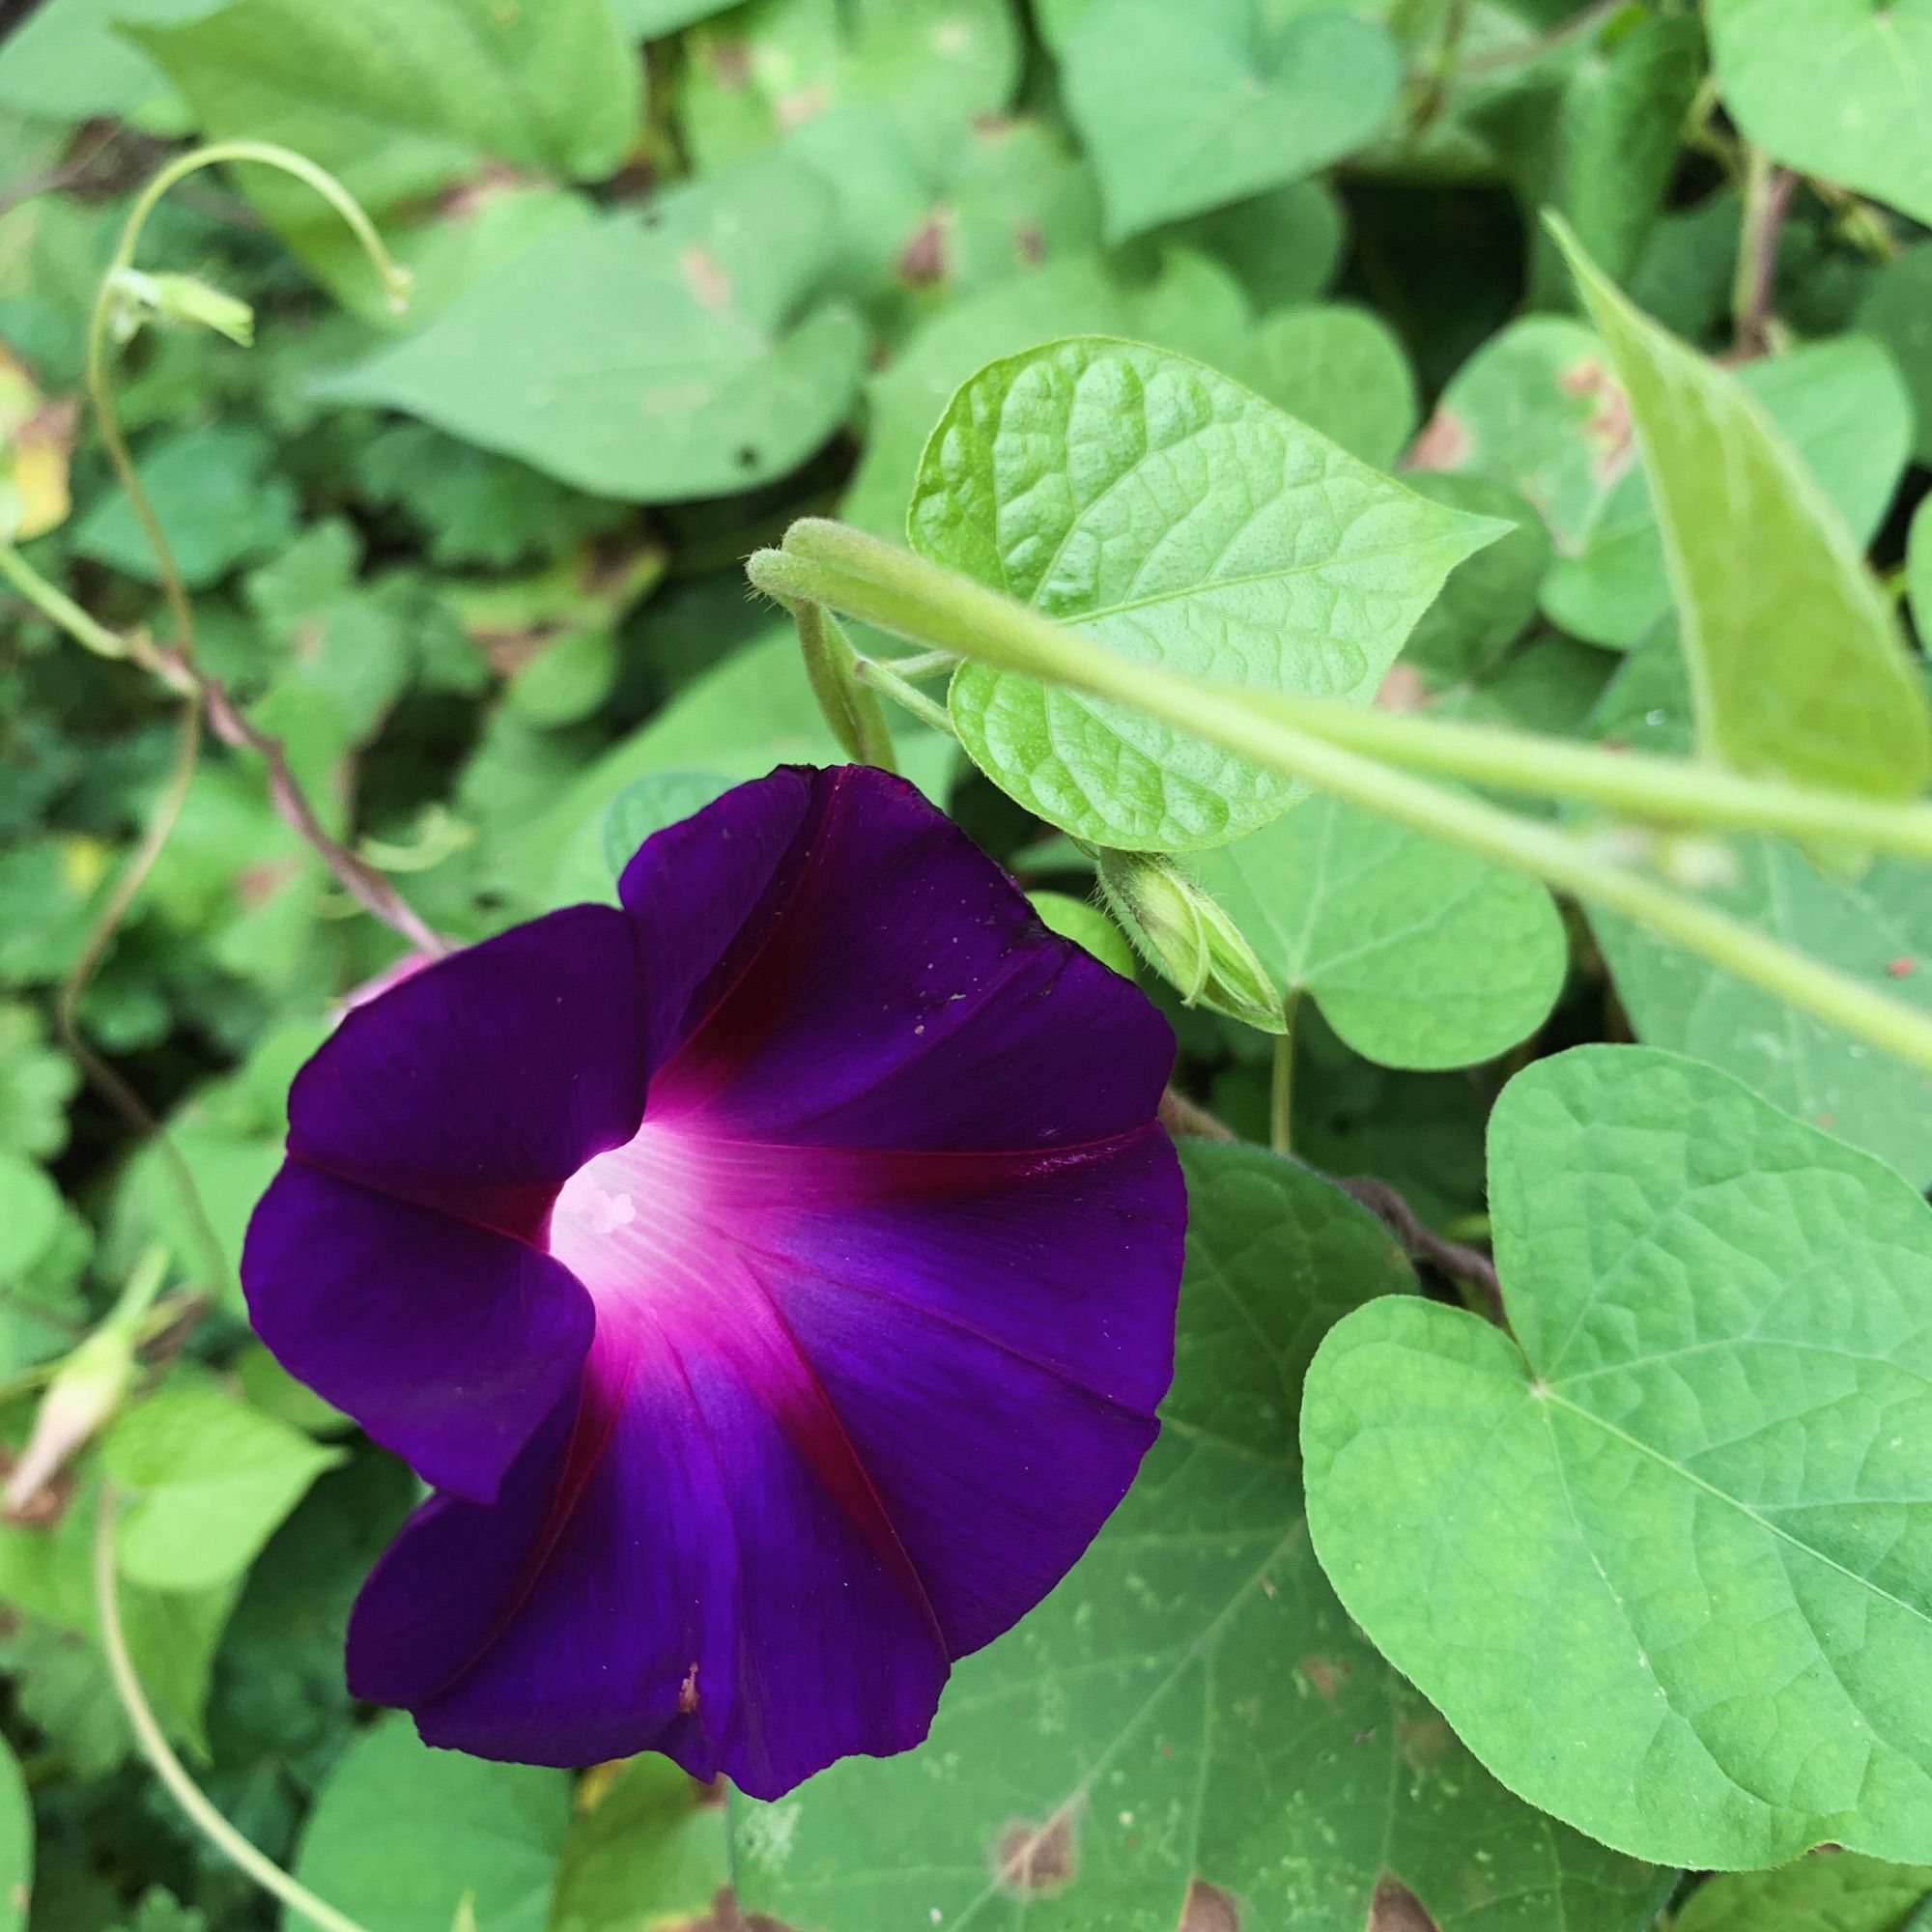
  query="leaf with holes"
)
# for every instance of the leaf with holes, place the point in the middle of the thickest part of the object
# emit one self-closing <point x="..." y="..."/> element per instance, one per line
<point x="1664" y="1559"/>
<point x="737" y="378"/>
<point x="1797" y="663"/>
<point x="1190" y="1724"/>
<point x="1418" y="955"/>
<point x="1189" y="108"/>
<point x="1838" y="87"/>
<point x="1178" y="517"/>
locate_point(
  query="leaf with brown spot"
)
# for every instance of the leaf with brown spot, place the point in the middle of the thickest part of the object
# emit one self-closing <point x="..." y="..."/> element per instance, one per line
<point x="1233" y="1756"/>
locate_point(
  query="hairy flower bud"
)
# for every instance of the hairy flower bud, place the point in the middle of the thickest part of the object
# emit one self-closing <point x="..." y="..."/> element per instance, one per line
<point x="173" y="298"/>
<point x="1187" y="935"/>
<point x="80" y="1400"/>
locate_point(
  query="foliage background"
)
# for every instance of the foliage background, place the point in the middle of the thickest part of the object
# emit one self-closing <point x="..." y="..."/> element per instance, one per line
<point x="684" y="272"/>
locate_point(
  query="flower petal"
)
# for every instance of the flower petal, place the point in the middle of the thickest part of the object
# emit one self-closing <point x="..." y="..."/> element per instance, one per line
<point x="478" y="1086"/>
<point x="447" y="1342"/>
<point x="890" y="987"/>
<point x="713" y="1580"/>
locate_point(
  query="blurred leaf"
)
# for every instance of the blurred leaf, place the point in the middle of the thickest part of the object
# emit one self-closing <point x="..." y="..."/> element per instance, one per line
<point x="397" y="98"/>
<point x="1190" y="1711"/>
<point x="937" y="66"/>
<point x="206" y="1479"/>
<point x="729" y="385"/>
<point x="1830" y="1892"/>
<point x="35" y="444"/>
<point x="68" y="61"/>
<point x="1180" y="518"/>
<point x="1342" y="371"/>
<point x="270" y="1389"/>
<point x="645" y="807"/>
<point x="30" y="1212"/>
<point x="1897" y="311"/>
<point x="1875" y="927"/>
<point x="218" y="498"/>
<point x="1797" y="664"/>
<point x="648" y="1857"/>
<point x="645" y="20"/>
<point x="37" y="1081"/>
<point x="16" y="1844"/>
<point x="1838" y="87"/>
<point x="1700" y="1291"/>
<point x="1417" y="955"/>
<point x="1189" y="109"/>
<point x="401" y="1832"/>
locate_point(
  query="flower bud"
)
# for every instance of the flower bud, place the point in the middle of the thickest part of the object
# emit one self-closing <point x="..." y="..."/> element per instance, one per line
<point x="174" y="297"/>
<point x="1189" y="938"/>
<point x="80" y="1400"/>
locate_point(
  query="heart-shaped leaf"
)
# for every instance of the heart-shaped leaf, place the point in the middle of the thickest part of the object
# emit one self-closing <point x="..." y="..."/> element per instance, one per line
<point x="1188" y="109"/>
<point x="1178" y="517"/>
<point x="1664" y="1559"/>
<point x="1838" y="87"/>
<point x="1418" y="955"/>
<point x="1190" y="1731"/>
<point x="726" y="386"/>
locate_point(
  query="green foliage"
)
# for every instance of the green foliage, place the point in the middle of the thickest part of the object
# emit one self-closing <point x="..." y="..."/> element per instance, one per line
<point x="1192" y="1709"/>
<point x="1180" y="518"/>
<point x="1649" y="1503"/>
<point x="1797" y="665"/>
<point x="1416" y="956"/>
<point x="401" y="1834"/>
<point x="1178" y="287"/>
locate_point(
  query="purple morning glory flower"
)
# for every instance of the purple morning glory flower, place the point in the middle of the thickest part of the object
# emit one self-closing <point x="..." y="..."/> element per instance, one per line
<point x="774" y="1278"/>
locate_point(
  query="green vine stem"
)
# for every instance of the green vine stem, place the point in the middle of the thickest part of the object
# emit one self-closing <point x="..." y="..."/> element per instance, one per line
<point x="160" y="1756"/>
<point x="826" y="562"/>
<point x="1281" y="1081"/>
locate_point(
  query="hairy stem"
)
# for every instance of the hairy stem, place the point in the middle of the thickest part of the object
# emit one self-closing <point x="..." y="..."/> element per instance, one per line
<point x="167" y="1767"/>
<point x="888" y="679"/>
<point x="934" y="607"/>
<point x="1768" y="191"/>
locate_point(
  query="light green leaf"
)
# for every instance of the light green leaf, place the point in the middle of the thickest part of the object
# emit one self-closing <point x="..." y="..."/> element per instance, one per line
<point x="67" y="61"/>
<point x="1285" y="243"/>
<point x="398" y="98"/>
<point x="1660" y="1559"/>
<point x="16" y="1844"/>
<point x="1086" y="924"/>
<point x="737" y="378"/>
<point x="1178" y="517"/>
<point x="400" y="1832"/>
<point x="1190" y="1719"/>
<point x="205" y="1482"/>
<point x="37" y="1081"/>
<point x="1797" y="664"/>
<point x="649" y="804"/>
<point x="1417" y="955"/>
<point x="1188" y="109"/>
<point x="1874" y="925"/>
<point x="1919" y="568"/>
<point x="1342" y="371"/>
<point x="1838" y="87"/>
<point x="1186" y="305"/>
<point x="1837" y="1892"/>
<point x="650" y="1856"/>
<point x="648" y="19"/>
<point x="1841" y="407"/>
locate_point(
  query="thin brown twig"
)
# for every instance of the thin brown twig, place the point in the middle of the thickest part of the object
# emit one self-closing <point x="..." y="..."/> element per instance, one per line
<point x="360" y="880"/>
<point x="1188" y="1119"/>
<point x="1769" y="190"/>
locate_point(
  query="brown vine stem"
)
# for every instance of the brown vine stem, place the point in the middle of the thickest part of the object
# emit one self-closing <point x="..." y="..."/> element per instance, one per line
<point x="1768" y="192"/>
